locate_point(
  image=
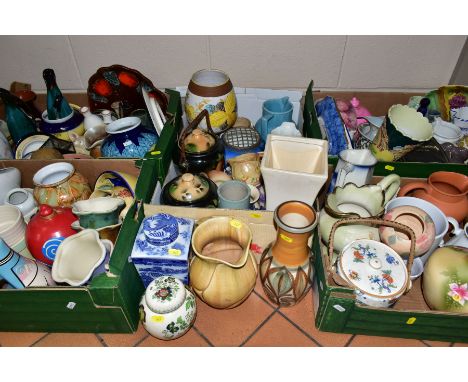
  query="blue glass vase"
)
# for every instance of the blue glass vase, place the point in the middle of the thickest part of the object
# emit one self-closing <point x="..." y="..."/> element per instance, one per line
<point x="127" y="138"/>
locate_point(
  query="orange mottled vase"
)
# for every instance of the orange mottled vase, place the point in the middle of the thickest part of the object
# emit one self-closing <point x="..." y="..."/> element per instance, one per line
<point x="59" y="185"/>
<point x="286" y="269"/>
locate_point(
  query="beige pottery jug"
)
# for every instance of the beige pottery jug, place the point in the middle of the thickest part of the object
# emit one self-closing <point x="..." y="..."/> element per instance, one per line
<point x="223" y="271"/>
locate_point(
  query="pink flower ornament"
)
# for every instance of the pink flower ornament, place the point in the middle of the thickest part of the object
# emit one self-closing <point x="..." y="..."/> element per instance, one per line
<point x="459" y="293"/>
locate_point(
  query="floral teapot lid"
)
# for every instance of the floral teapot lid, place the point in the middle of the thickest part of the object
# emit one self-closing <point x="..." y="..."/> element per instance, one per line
<point x="165" y="294"/>
<point x="198" y="141"/>
<point x="374" y="268"/>
<point x="189" y="188"/>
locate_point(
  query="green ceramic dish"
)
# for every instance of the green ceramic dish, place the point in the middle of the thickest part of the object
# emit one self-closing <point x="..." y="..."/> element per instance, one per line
<point x="98" y="212"/>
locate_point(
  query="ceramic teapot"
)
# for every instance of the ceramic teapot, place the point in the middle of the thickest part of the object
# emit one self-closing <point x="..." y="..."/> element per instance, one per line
<point x="198" y="150"/>
<point x="353" y="201"/>
<point x="46" y="231"/>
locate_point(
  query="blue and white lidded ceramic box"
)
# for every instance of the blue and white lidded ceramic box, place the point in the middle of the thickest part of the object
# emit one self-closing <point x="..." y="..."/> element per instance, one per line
<point x="162" y="247"/>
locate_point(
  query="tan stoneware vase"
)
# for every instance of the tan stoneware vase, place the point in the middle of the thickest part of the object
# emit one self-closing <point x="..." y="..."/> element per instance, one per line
<point x="223" y="270"/>
<point x="286" y="270"/>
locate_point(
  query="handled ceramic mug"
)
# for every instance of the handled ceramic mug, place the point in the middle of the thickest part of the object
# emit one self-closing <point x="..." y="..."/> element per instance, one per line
<point x="354" y="166"/>
<point x="275" y="112"/>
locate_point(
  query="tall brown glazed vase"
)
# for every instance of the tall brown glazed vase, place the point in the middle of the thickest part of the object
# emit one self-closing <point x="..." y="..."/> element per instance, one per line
<point x="286" y="270"/>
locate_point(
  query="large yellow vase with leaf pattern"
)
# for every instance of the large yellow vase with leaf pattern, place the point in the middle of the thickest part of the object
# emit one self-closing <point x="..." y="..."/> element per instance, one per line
<point x="212" y="90"/>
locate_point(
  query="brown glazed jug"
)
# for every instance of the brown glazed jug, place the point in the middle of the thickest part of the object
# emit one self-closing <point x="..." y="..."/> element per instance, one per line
<point x="446" y="190"/>
<point x="286" y="269"/>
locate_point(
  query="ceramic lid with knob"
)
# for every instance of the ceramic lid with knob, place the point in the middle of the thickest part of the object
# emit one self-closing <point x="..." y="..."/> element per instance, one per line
<point x="161" y="229"/>
<point x="165" y="294"/>
<point x="373" y="268"/>
<point x="198" y="141"/>
<point x="189" y="188"/>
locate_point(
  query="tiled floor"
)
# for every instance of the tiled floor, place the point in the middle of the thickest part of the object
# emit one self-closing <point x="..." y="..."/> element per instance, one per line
<point x="255" y="323"/>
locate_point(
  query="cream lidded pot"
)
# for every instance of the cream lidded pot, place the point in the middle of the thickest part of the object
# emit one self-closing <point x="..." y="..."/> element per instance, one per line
<point x="167" y="309"/>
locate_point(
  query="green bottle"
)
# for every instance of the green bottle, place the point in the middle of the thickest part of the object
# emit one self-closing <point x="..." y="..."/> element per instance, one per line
<point x="20" y="124"/>
<point x="57" y="105"/>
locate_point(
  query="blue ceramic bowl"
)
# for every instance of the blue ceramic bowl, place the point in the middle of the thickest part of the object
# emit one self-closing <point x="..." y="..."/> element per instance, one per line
<point x="127" y="138"/>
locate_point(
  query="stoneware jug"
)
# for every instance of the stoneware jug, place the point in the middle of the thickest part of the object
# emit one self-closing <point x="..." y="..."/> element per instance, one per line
<point x="446" y="190"/>
<point x="211" y="90"/>
<point x="168" y="308"/>
<point x="274" y="113"/>
<point x="23" y="199"/>
<point x="21" y="272"/>
<point x="286" y="269"/>
<point x="223" y="270"/>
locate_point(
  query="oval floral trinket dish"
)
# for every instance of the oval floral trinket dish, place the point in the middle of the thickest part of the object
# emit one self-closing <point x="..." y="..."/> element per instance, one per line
<point x="375" y="270"/>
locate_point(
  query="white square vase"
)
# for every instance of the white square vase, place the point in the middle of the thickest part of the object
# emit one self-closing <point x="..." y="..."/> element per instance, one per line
<point x="293" y="169"/>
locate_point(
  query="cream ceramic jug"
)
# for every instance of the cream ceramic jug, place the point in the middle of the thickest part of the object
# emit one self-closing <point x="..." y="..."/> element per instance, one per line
<point x="353" y="201"/>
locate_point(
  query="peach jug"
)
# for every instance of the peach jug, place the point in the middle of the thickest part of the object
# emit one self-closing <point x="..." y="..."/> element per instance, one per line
<point x="447" y="190"/>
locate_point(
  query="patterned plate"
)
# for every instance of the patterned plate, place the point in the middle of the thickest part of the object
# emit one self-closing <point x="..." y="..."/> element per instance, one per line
<point x="118" y="83"/>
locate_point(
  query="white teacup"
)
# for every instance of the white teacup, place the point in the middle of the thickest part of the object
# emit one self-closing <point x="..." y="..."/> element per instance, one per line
<point x="354" y="166"/>
<point x="439" y="218"/>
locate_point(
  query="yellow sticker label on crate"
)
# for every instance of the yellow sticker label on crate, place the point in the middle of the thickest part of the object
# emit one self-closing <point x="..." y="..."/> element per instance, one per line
<point x="286" y="238"/>
<point x="157" y="318"/>
<point x="256" y="215"/>
<point x="175" y="252"/>
<point x="236" y="223"/>
<point x="389" y="168"/>
<point x="411" y="320"/>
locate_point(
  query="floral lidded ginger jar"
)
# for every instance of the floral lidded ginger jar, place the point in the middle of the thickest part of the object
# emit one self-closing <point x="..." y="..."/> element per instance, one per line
<point x="168" y="308"/>
<point x="211" y="90"/>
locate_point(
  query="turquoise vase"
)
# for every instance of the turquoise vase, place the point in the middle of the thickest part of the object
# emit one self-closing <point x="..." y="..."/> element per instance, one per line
<point x="57" y="105"/>
<point x="20" y="124"/>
